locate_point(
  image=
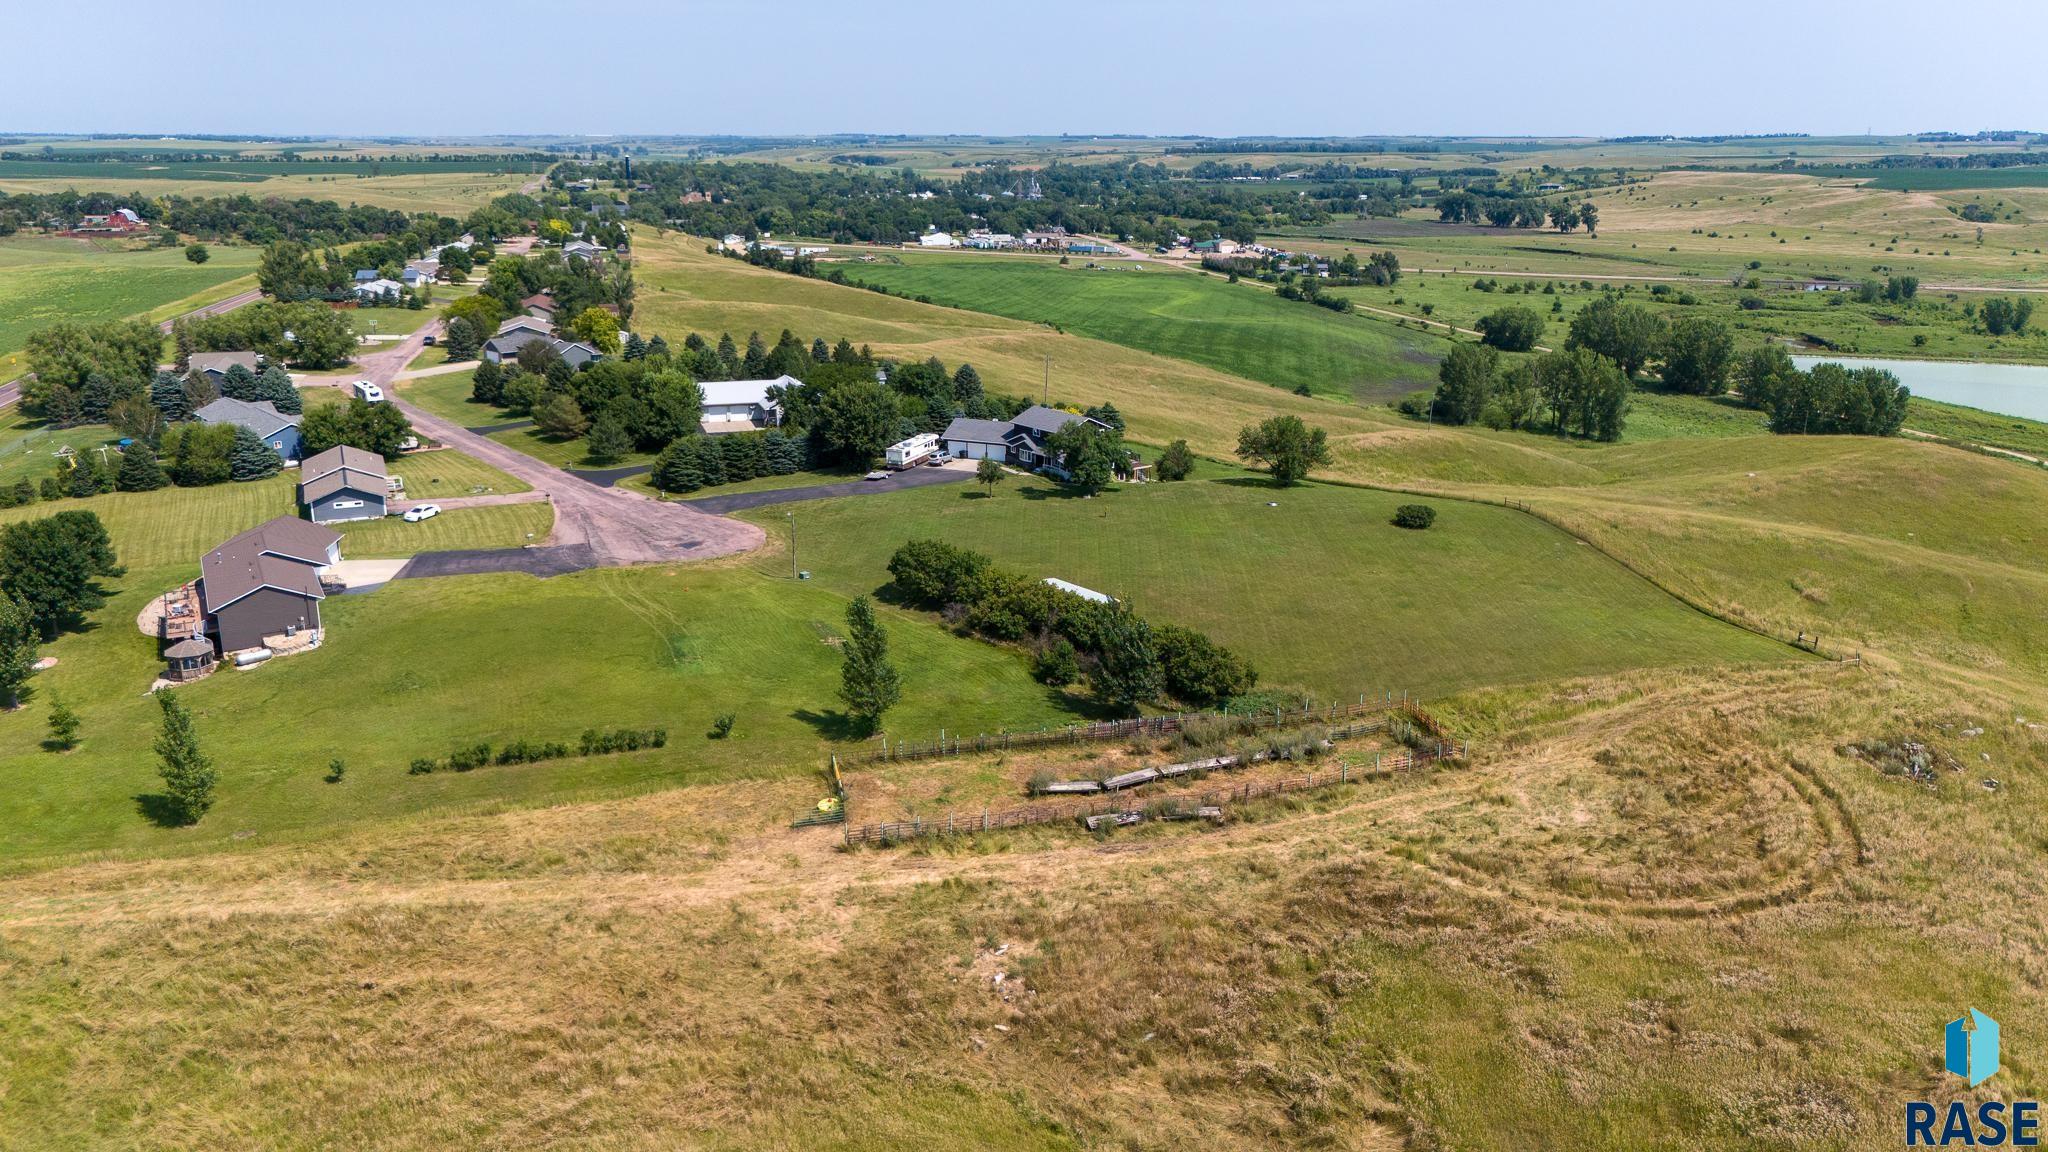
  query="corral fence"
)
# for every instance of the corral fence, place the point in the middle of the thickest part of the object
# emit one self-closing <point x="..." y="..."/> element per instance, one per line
<point x="949" y="744"/>
<point x="834" y="812"/>
<point x="1098" y="814"/>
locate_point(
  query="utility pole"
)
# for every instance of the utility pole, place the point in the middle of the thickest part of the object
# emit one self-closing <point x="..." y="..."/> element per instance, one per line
<point x="792" y="545"/>
<point x="1047" y="397"/>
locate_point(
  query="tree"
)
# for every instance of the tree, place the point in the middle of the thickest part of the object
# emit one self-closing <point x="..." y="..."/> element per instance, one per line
<point x="487" y="383"/>
<point x="1511" y="329"/>
<point x="188" y="775"/>
<point x="1464" y="383"/>
<point x="597" y="328"/>
<point x="238" y="383"/>
<point x="966" y="384"/>
<point x="64" y="358"/>
<point x="137" y="419"/>
<point x="1127" y="666"/>
<point x="275" y="385"/>
<point x="1627" y="334"/>
<point x="87" y="477"/>
<point x="167" y="393"/>
<point x="868" y="684"/>
<point x="1763" y="373"/>
<point x="1416" y="516"/>
<point x="1177" y="462"/>
<point x="50" y="565"/>
<point x="1288" y="448"/>
<point x="1590" y="217"/>
<point x="197" y="253"/>
<point x="63" y="726"/>
<point x="198" y="453"/>
<point x="557" y="415"/>
<point x="1586" y="393"/>
<point x="635" y="347"/>
<point x="483" y="312"/>
<point x="1056" y="664"/>
<point x="251" y="458"/>
<point x="1564" y="217"/>
<point x="1196" y="670"/>
<point x="140" y="471"/>
<point x="378" y="428"/>
<point x="18" y="639"/>
<point x="1088" y="453"/>
<point x="857" y="420"/>
<point x="461" y="341"/>
<point x="608" y="440"/>
<point x="2001" y="315"/>
<point x="988" y="473"/>
<point x="1698" y="353"/>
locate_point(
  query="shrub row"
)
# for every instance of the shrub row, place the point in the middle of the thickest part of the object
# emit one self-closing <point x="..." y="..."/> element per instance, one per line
<point x="595" y="743"/>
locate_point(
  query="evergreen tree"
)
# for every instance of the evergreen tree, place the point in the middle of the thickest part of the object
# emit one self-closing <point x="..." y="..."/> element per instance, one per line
<point x="239" y="383"/>
<point x="868" y="684"/>
<point x="756" y="364"/>
<point x="728" y="357"/>
<point x="462" y="340"/>
<point x="677" y="468"/>
<point x="636" y="348"/>
<point x="608" y="440"/>
<point x="487" y="384"/>
<point x="657" y="347"/>
<point x="275" y="385"/>
<point x="188" y="775"/>
<point x="820" y="353"/>
<point x="63" y="725"/>
<point x="18" y="639"/>
<point x="967" y="385"/>
<point x="742" y="456"/>
<point x="140" y="470"/>
<point x="1176" y="462"/>
<point x="88" y="477"/>
<point x="167" y="392"/>
<point x="842" y="352"/>
<point x="251" y="458"/>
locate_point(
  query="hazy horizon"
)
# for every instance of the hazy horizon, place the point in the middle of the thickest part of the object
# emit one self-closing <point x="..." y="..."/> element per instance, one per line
<point x="912" y="67"/>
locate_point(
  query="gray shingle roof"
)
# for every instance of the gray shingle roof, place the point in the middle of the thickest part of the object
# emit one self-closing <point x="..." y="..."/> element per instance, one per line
<point x="338" y="457"/>
<point x="258" y="416"/>
<point x="970" y="430"/>
<point x="321" y="487"/>
<point x="280" y="553"/>
<point x="1045" y="420"/>
<point x="220" y="361"/>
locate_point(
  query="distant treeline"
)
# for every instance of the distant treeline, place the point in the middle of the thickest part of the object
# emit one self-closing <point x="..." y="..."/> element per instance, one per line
<point x="265" y="221"/>
<point x="1257" y="145"/>
<point x="48" y="155"/>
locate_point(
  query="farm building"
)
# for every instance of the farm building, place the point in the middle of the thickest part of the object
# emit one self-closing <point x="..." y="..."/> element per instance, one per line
<point x="262" y="584"/>
<point x="280" y="430"/>
<point x="937" y="240"/>
<point x="1076" y="590"/>
<point x="118" y="222"/>
<point x="214" y="365"/>
<point x="742" y="405"/>
<point x="344" y="483"/>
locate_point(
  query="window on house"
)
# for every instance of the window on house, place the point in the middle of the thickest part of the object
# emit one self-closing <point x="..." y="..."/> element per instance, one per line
<point x="348" y="504"/>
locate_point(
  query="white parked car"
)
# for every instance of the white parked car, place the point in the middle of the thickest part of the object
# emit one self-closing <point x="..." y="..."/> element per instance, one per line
<point x="422" y="512"/>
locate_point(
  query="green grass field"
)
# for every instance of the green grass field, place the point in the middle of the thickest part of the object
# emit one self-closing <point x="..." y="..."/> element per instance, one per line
<point x="1321" y="592"/>
<point x="1199" y="318"/>
<point x="47" y="279"/>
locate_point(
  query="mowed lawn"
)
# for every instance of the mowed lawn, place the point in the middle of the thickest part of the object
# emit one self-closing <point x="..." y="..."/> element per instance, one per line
<point x="418" y="667"/>
<point x="1320" y="590"/>
<point x="1233" y="328"/>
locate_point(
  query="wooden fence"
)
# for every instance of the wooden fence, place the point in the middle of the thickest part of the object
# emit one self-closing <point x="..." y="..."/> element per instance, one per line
<point x="952" y="745"/>
<point x="1134" y="809"/>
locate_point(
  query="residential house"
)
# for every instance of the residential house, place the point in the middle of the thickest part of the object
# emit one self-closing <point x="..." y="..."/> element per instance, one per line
<point x="379" y="289"/>
<point x="734" y="242"/>
<point x="344" y="483"/>
<point x="214" y="365"/>
<point x="937" y="240"/>
<point x="742" y="405"/>
<point x="584" y="249"/>
<point x="1020" y="440"/>
<point x="506" y="345"/>
<point x="420" y="272"/>
<point x="280" y="430"/>
<point x="262" y="585"/>
<point x="540" y="306"/>
<point x="365" y="275"/>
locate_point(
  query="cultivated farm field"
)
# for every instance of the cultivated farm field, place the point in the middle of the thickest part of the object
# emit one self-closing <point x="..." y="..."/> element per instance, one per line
<point x="47" y="279"/>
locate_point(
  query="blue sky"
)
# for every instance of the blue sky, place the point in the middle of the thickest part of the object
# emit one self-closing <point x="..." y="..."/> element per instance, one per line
<point x="1081" y="66"/>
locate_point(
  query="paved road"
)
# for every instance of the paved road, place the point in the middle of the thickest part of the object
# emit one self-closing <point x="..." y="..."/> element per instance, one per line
<point x="618" y="526"/>
<point x="914" y="478"/>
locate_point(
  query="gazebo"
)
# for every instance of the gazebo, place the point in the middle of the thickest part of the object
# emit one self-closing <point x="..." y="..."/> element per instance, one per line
<point x="189" y="659"/>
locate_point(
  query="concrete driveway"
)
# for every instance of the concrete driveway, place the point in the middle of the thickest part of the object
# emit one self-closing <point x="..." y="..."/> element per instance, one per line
<point x="617" y="525"/>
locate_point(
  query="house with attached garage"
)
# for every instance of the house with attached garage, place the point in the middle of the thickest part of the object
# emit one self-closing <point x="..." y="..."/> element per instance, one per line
<point x="1019" y="440"/>
<point x="280" y="430"/>
<point x="742" y="405"/>
<point x="344" y="483"/>
<point x="520" y="331"/>
<point x="263" y="586"/>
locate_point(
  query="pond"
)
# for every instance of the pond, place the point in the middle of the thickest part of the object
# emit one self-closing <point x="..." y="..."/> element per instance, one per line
<point x="2007" y="389"/>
